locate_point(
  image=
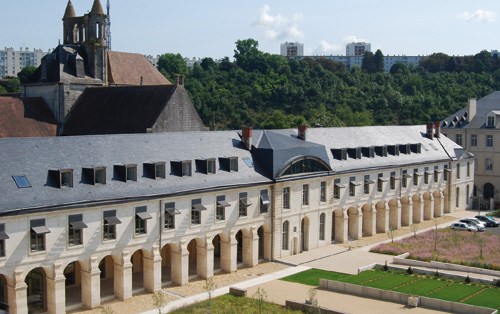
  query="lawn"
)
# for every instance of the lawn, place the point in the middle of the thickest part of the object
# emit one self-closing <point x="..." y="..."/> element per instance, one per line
<point x="422" y="287"/>
<point x="488" y="298"/>
<point x="389" y="282"/>
<point x="454" y="292"/>
<point x="311" y="277"/>
<point x="232" y="304"/>
<point x="364" y="276"/>
<point x="457" y="247"/>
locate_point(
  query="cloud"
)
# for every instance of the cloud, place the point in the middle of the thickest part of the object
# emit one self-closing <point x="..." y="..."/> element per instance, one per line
<point x="352" y="39"/>
<point x="278" y="27"/>
<point x="478" y="16"/>
<point x="326" y="48"/>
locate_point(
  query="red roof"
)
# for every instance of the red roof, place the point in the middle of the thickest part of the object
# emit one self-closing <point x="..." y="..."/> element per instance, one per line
<point x="26" y="117"/>
<point x="129" y="68"/>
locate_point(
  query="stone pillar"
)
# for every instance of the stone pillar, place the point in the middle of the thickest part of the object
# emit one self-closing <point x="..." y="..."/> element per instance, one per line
<point x="228" y="254"/>
<point x="205" y="259"/>
<point x="56" y="291"/>
<point x="123" y="277"/>
<point x="429" y="208"/>
<point x="152" y="270"/>
<point x="369" y="222"/>
<point x="341" y="226"/>
<point x="17" y="294"/>
<point x="395" y="214"/>
<point x="267" y="245"/>
<point x="355" y="224"/>
<point x="91" y="285"/>
<point x="438" y="205"/>
<point x="407" y="213"/>
<point x="180" y="264"/>
<point x="417" y="210"/>
<point x="251" y="248"/>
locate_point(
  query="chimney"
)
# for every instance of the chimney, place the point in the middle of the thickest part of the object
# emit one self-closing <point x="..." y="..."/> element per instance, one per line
<point x="247" y="137"/>
<point x="437" y="129"/>
<point x="179" y="80"/>
<point x="471" y="108"/>
<point x="302" y="132"/>
<point x="430" y="130"/>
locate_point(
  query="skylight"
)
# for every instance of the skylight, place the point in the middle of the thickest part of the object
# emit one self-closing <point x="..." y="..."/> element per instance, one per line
<point x="21" y="182"/>
<point x="248" y="161"/>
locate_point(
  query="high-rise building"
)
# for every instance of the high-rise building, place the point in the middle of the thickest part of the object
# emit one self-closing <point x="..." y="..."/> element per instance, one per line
<point x="295" y="49"/>
<point x="12" y="61"/>
<point x="357" y="49"/>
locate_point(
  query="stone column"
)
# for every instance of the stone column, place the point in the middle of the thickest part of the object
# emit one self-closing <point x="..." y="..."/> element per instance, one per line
<point x="267" y="245"/>
<point x="407" y="213"/>
<point x="417" y="210"/>
<point x="180" y="264"/>
<point x="152" y="270"/>
<point x="17" y="294"/>
<point x="251" y="248"/>
<point x="429" y="208"/>
<point x="91" y="284"/>
<point x="395" y="214"/>
<point x="438" y="205"/>
<point x="205" y="259"/>
<point x="369" y="222"/>
<point x="123" y="277"/>
<point x="228" y="254"/>
<point x="56" y="291"/>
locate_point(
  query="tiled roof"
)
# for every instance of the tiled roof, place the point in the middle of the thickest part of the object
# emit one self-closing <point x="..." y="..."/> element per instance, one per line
<point x="26" y="117"/>
<point x="132" y="68"/>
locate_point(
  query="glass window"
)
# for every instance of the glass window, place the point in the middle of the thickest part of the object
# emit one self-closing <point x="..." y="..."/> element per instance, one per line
<point x="473" y="140"/>
<point x="75" y="229"/>
<point x="491" y="121"/>
<point x="141" y="217"/>
<point x="66" y="178"/>
<point x="392" y="184"/>
<point x="109" y="224"/>
<point x="415" y="176"/>
<point x="264" y="201"/>
<point x="366" y="186"/>
<point x="244" y="204"/>
<point x="322" y="194"/>
<point x="436" y="174"/>
<point x="233" y="163"/>
<point x="286" y="198"/>
<point x="305" y="194"/>
<point x="489" y="140"/>
<point x="131" y="172"/>
<point x="21" y="182"/>
<point x="211" y="166"/>
<point x="221" y="207"/>
<point x="186" y="168"/>
<point x="160" y="170"/>
<point x="304" y="166"/>
<point x="38" y="232"/>
<point x="489" y="165"/>
<point x="458" y="198"/>
<point x="170" y="213"/>
<point x="404" y="181"/>
<point x="100" y="176"/>
<point x="322" y="226"/>
<point x="467" y="195"/>
<point x="336" y="189"/>
<point x="286" y="227"/>
<point x="458" y="171"/>
<point x="468" y="169"/>
<point x="458" y="139"/>
<point x="380" y="182"/>
<point x="196" y="209"/>
<point x="352" y="186"/>
<point x="3" y="237"/>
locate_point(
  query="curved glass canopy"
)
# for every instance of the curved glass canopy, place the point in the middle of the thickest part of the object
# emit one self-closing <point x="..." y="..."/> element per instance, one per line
<point x="305" y="165"/>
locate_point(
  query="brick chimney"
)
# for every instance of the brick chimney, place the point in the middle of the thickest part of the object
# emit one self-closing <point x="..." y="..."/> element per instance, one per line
<point x="179" y="80"/>
<point x="430" y="130"/>
<point x="437" y="129"/>
<point x="247" y="137"/>
<point x="302" y="132"/>
<point x="471" y="109"/>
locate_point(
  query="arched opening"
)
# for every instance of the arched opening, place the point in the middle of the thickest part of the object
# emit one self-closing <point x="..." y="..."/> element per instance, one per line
<point x="36" y="290"/>
<point x="75" y="33"/>
<point x="405" y="211"/>
<point x="4" y="297"/>
<point x="166" y="265"/>
<point x="239" y="247"/>
<point x="394" y="214"/>
<point x="304" y="234"/>
<point x="260" y="234"/>
<point x="137" y="261"/>
<point x="304" y="165"/>
<point x="217" y="253"/>
<point x="488" y="191"/>
<point x="193" y="259"/>
<point x="285" y="239"/>
<point x="381" y="217"/>
<point x="338" y="226"/>
<point x="73" y="285"/>
<point x="367" y="220"/>
<point x="107" y="268"/>
<point x="353" y="231"/>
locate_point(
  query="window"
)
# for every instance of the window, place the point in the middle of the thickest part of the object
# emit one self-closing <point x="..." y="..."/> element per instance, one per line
<point x="75" y="229"/>
<point x="66" y="178"/>
<point x="3" y="236"/>
<point x="141" y="217"/>
<point x="404" y="183"/>
<point x="154" y="170"/>
<point x="458" y="139"/>
<point x="367" y="184"/>
<point x="336" y="188"/>
<point x="286" y="198"/>
<point x="233" y="163"/>
<point x="489" y="140"/>
<point x="436" y="173"/>
<point x="468" y="169"/>
<point x="21" y="181"/>
<point x="352" y="186"/>
<point x="392" y="185"/>
<point x="467" y="194"/>
<point x="186" y="168"/>
<point x="446" y="173"/>
<point x="170" y="213"/>
<point x="457" y="198"/>
<point x="211" y="166"/>
<point x="196" y="209"/>
<point x="264" y="201"/>
<point x="131" y="172"/>
<point x="322" y="192"/>
<point x="206" y="166"/>
<point x="490" y="122"/>
<point x="109" y="225"/>
<point x="229" y="163"/>
<point x="458" y="171"/>
<point x="244" y="204"/>
<point x="489" y="165"/>
<point x="181" y="168"/>
<point x="305" y="194"/>
<point x="248" y="162"/>
<point x="473" y="140"/>
<point x="221" y="208"/>
<point x="286" y="227"/>
<point x="339" y="154"/>
<point x="416" y="174"/>
<point x="38" y="232"/>
<point x="322" y="226"/>
<point x="305" y="165"/>
<point x="126" y="172"/>
<point x="380" y="182"/>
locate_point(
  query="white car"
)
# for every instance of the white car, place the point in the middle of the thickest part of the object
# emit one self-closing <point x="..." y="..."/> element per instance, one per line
<point x="472" y="222"/>
<point x="463" y="226"/>
<point x="477" y="220"/>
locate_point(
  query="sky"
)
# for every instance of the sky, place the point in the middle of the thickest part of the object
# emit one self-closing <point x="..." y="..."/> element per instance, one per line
<point x="200" y="28"/>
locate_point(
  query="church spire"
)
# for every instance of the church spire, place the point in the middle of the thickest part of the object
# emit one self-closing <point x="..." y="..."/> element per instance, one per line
<point x="97" y="8"/>
<point x="70" y="11"/>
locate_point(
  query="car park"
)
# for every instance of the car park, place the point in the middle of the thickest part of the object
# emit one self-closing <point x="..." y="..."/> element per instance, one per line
<point x="490" y="222"/>
<point x="473" y="222"/>
<point x="463" y="226"/>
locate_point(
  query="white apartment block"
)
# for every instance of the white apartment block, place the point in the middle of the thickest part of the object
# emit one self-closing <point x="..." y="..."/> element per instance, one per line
<point x="86" y="219"/>
<point x="295" y="49"/>
<point x="12" y="61"/>
<point x="357" y="49"/>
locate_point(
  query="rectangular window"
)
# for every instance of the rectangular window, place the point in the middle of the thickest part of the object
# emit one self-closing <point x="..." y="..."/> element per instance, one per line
<point x="233" y="163"/>
<point x="21" y="181"/>
<point x="38" y="232"/>
<point x="141" y="218"/>
<point x="458" y="171"/>
<point x="170" y="213"/>
<point x="99" y="175"/>
<point x="305" y="194"/>
<point x="264" y="201"/>
<point x="186" y="168"/>
<point x="221" y="207"/>
<point x="380" y="182"/>
<point x="436" y="174"/>
<point x="446" y="173"/>
<point x="473" y="140"/>
<point x="211" y="166"/>
<point x="322" y="193"/>
<point x="491" y="121"/>
<point x="322" y="226"/>
<point x="404" y="183"/>
<point x="131" y="172"/>
<point x="468" y="169"/>
<point x="427" y="175"/>
<point x="336" y="188"/>
<point x="458" y="139"/>
<point x="367" y="183"/>
<point x="109" y="225"/>
<point x="244" y="204"/>
<point x="415" y="176"/>
<point x="75" y="229"/>
<point x="3" y="237"/>
<point x="196" y="209"/>
<point x="352" y="186"/>
<point x="286" y="198"/>
<point x="393" y="180"/>
<point x="159" y="170"/>
<point x="489" y="140"/>
<point x="66" y="178"/>
<point x="489" y="165"/>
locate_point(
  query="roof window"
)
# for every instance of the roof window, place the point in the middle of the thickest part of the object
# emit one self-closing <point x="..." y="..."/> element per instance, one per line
<point x="228" y="163"/>
<point x="154" y="170"/>
<point x="21" y="181"/>
<point x="206" y="166"/>
<point x="95" y="175"/>
<point x="181" y="168"/>
<point x="62" y="178"/>
<point x="126" y="172"/>
<point x="340" y="154"/>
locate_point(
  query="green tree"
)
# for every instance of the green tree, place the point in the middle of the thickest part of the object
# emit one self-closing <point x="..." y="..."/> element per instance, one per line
<point x="247" y="54"/>
<point x="435" y="63"/>
<point x="26" y="73"/>
<point x="378" y="62"/>
<point x="368" y="64"/>
<point x="170" y="64"/>
<point x="399" y="68"/>
<point x="279" y="120"/>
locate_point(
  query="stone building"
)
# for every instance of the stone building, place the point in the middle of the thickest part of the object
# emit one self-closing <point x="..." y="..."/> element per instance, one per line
<point x="477" y="128"/>
<point x="85" y="219"/>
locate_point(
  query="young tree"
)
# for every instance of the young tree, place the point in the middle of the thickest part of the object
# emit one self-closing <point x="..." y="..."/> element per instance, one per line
<point x="210" y="287"/>
<point x="260" y="297"/>
<point x="159" y="300"/>
<point x="26" y="73"/>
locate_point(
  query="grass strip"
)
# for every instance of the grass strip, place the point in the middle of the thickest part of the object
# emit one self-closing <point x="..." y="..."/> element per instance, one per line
<point x="422" y="287"/>
<point x="311" y="277"/>
<point x="389" y="282"/>
<point x="363" y="277"/>
<point x="489" y="298"/>
<point x="454" y="292"/>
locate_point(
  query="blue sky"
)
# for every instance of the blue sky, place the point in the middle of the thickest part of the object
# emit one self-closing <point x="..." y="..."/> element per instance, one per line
<point x="200" y="28"/>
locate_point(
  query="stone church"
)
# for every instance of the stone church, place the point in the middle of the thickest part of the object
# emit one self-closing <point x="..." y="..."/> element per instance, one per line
<point x="91" y="90"/>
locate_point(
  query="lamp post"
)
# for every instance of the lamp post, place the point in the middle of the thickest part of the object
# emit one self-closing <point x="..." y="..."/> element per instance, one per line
<point x="479" y="204"/>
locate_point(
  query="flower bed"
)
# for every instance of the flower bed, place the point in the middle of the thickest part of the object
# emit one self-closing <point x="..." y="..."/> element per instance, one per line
<point x="456" y="247"/>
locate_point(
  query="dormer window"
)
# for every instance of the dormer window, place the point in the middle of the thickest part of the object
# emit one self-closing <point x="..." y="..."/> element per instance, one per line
<point x="416" y="148"/>
<point x="63" y="178"/>
<point x="95" y="175"/>
<point x="368" y="152"/>
<point x="354" y="153"/>
<point x="206" y="166"/>
<point x="228" y="163"/>
<point x="381" y="151"/>
<point x="126" y="172"/>
<point x="154" y="170"/>
<point x="405" y="149"/>
<point x="21" y="181"/>
<point x="393" y="150"/>
<point x="181" y="168"/>
<point x="339" y="154"/>
<point x="490" y="121"/>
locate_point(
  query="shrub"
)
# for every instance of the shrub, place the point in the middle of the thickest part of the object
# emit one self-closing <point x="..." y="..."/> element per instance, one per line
<point x="409" y="271"/>
<point x="467" y="279"/>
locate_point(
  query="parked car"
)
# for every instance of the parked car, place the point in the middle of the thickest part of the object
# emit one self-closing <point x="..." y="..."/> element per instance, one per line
<point x="463" y="226"/>
<point x="477" y="220"/>
<point x="490" y="222"/>
<point x="473" y="222"/>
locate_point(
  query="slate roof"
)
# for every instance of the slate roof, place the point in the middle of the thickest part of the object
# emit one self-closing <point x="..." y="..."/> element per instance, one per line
<point x="484" y="105"/>
<point x="128" y="69"/>
<point x="26" y="117"/>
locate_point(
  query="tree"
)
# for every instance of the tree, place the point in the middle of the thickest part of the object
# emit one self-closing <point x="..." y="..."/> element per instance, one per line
<point x="170" y="64"/>
<point x="368" y="64"/>
<point x="399" y="68"/>
<point x="378" y="62"/>
<point x="26" y="73"/>
<point x="281" y="121"/>
<point x="210" y="287"/>
<point x="159" y="300"/>
<point x="435" y="63"/>
<point x="260" y="297"/>
<point x="208" y="63"/>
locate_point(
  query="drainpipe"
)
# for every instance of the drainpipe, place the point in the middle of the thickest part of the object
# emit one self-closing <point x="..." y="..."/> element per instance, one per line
<point x="159" y="226"/>
<point x="273" y="207"/>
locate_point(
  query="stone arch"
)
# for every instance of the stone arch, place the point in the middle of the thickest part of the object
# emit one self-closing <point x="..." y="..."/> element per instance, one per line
<point x="438" y="203"/>
<point x="368" y="220"/>
<point x="166" y="262"/>
<point x="4" y="293"/>
<point x="417" y="208"/>
<point x="406" y="216"/>
<point x="108" y="278"/>
<point x="428" y="208"/>
<point x="304" y="234"/>
<point x="138" y="270"/>
<point x="338" y="226"/>
<point x="36" y="289"/>
<point x="74" y="286"/>
<point x="382" y="221"/>
<point x="488" y="191"/>
<point x="354" y="226"/>
<point x="394" y="214"/>
<point x="194" y="246"/>
<point x="264" y="234"/>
